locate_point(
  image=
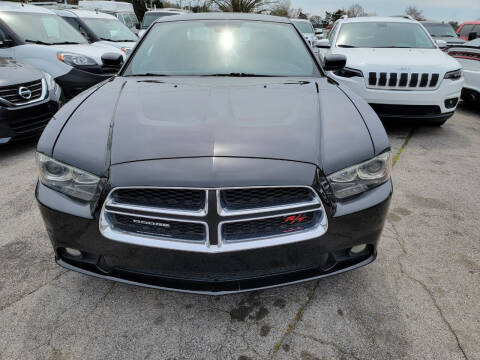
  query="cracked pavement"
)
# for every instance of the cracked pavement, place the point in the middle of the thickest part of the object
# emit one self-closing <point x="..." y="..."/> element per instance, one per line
<point x="418" y="300"/>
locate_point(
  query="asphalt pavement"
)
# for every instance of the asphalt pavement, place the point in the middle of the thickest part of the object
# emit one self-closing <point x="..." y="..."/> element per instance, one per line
<point x="418" y="300"/>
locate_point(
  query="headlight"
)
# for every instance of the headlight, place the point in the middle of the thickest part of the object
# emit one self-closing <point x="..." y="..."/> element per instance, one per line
<point x="126" y="50"/>
<point x="67" y="179"/>
<point x="75" y="59"/>
<point x="348" y="72"/>
<point x="454" y="75"/>
<point x="359" y="178"/>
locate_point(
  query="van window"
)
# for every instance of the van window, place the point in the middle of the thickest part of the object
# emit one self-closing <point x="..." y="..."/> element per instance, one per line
<point x="41" y="28"/>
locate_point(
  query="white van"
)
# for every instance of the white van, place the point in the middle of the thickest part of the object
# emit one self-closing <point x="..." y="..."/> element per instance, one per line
<point x="37" y="36"/>
<point x="152" y="15"/>
<point x="123" y="11"/>
<point x="98" y="27"/>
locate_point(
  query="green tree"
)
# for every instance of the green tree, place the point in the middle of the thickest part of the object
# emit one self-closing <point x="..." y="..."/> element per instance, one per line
<point x="415" y="13"/>
<point x="282" y="8"/>
<point x="246" y="6"/>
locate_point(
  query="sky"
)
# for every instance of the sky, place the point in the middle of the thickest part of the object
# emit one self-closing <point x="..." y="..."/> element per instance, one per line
<point x="443" y="10"/>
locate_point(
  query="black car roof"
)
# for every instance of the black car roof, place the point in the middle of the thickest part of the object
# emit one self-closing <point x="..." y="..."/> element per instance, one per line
<point x="224" y="16"/>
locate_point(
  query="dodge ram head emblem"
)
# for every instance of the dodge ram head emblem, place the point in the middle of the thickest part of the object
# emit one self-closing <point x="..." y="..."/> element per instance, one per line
<point x="293" y="219"/>
<point x="24" y="92"/>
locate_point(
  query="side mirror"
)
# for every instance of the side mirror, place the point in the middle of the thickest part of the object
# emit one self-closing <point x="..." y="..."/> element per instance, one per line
<point x="137" y="26"/>
<point x="323" y="44"/>
<point x="333" y="62"/>
<point x="472" y="36"/>
<point x="112" y="59"/>
<point x="441" y="44"/>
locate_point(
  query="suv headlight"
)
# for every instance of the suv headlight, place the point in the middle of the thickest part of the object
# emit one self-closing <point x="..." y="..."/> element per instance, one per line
<point x="68" y="179"/>
<point x="454" y="75"/>
<point x="359" y="178"/>
<point x="75" y="59"/>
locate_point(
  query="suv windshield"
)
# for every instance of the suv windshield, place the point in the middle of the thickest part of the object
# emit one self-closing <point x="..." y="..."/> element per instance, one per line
<point x="383" y="35"/>
<point x="149" y="18"/>
<point x="111" y="30"/>
<point x="304" y="26"/>
<point x="222" y="48"/>
<point x="440" y="30"/>
<point x="42" y="28"/>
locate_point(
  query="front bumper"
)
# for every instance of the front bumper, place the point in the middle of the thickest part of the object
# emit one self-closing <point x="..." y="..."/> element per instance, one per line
<point x="447" y="89"/>
<point x="76" y="80"/>
<point x="21" y="122"/>
<point x="355" y="222"/>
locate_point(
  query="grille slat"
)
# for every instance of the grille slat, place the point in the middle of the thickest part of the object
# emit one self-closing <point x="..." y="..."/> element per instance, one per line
<point x="254" y="198"/>
<point x="407" y="81"/>
<point x="11" y="93"/>
<point x="274" y="226"/>
<point x="180" y="199"/>
<point x="186" y="231"/>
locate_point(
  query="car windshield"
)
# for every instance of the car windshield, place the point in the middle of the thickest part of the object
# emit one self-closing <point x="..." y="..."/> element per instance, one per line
<point x="222" y="48"/>
<point x="110" y="29"/>
<point x="383" y="35"/>
<point x="304" y="26"/>
<point x="440" y="30"/>
<point x="149" y="18"/>
<point x="41" y="28"/>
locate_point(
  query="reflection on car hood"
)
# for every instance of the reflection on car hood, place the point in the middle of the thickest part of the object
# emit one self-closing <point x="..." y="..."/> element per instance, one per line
<point x="142" y="118"/>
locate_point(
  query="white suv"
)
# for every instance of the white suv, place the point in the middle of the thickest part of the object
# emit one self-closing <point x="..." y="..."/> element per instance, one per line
<point x="394" y="64"/>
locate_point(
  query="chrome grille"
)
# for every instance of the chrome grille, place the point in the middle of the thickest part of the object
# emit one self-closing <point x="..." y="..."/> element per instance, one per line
<point x="10" y="95"/>
<point x="403" y="80"/>
<point x="239" y="218"/>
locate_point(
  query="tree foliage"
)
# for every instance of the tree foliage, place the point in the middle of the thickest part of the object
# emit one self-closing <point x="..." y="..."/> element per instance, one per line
<point x="246" y="6"/>
<point x="415" y="13"/>
<point x="356" y="10"/>
<point x="282" y="8"/>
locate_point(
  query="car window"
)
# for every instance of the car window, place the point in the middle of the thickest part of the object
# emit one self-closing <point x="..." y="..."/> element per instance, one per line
<point x="466" y="29"/>
<point x="304" y="26"/>
<point x="440" y="30"/>
<point x="149" y="18"/>
<point x="208" y="47"/>
<point x="111" y="30"/>
<point x="476" y="29"/>
<point x="331" y="33"/>
<point x="44" y="28"/>
<point x="383" y="35"/>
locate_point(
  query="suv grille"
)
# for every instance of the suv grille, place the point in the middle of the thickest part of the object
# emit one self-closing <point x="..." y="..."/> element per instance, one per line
<point x="403" y="81"/>
<point x="12" y="95"/>
<point x="213" y="220"/>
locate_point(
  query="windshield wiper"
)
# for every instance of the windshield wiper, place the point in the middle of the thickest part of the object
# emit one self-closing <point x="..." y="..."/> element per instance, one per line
<point x="148" y="74"/>
<point x="37" y="42"/>
<point x="66" y="43"/>
<point x="105" y="39"/>
<point x="346" y="46"/>
<point x="239" y="74"/>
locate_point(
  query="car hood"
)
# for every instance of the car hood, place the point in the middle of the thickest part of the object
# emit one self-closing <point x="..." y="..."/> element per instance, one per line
<point x="391" y="59"/>
<point x="118" y="45"/>
<point x="13" y="72"/>
<point x="178" y="118"/>
<point x="450" y="40"/>
<point x="136" y="119"/>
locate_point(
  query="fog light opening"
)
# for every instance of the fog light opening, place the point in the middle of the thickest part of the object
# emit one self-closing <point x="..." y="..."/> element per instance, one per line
<point x="451" y="103"/>
<point x="357" y="249"/>
<point x="73" y="252"/>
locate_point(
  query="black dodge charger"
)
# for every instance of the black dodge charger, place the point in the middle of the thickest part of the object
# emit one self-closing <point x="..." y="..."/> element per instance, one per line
<point x="221" y="159"/>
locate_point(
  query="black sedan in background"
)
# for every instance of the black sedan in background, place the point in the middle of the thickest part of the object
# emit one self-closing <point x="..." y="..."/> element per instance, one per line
<point x="221" y="159"/>
<point x="28" y="100"/>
